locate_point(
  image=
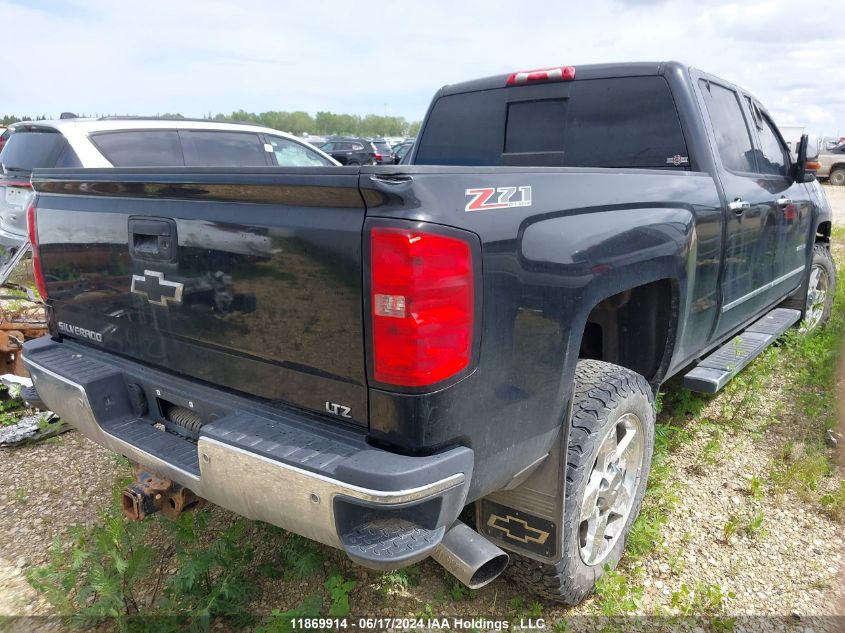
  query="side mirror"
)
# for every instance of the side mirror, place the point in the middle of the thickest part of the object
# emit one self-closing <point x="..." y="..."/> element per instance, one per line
<point x="804" y="166"/>
<point x="812" y="147"/>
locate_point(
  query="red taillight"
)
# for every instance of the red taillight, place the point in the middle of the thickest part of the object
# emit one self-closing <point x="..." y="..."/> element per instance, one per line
<point x="423" y="306"/>
<point x="558" y="73"/>
<point x="378" y="156"/>
<point x="36" y="256"/>
<point x="23" y="184"/>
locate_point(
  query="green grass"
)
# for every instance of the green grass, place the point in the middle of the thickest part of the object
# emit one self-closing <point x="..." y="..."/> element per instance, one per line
<point x="159" y="575"/>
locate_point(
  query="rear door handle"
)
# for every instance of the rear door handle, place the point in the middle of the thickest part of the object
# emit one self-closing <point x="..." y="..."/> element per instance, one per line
<point x="783" y="201"/>
<point x="739" y="206"/>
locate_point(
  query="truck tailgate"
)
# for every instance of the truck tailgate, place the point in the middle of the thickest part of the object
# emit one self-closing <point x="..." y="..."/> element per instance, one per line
<point x="249" y="279"/>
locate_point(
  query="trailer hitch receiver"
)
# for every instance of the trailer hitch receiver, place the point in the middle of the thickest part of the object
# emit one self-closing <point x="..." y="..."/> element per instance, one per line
<point x="151" y="493"/>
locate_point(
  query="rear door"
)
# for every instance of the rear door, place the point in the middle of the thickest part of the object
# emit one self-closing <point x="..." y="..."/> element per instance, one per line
<point x="751" y="214"/>
<point x="248" y="279"/>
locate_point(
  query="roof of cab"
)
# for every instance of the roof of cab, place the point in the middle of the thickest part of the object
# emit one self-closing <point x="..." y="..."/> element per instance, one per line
<point x="588" y="71"/>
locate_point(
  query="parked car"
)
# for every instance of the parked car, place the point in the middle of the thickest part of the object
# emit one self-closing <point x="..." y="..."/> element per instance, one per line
<point x="384" y="153"/>
<point x="832" y="165"/>
<point x="400" y="150"/>
<point x="485" y="326"/>
<point x="351" y="151"/>
<point x="134" y="142"/>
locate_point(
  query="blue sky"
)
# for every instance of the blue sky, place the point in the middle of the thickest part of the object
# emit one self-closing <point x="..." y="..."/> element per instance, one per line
<point x="129" y="57"/>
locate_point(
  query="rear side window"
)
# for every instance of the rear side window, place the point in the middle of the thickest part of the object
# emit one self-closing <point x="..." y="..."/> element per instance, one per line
<point x="729" y="127"/>
<point x="615" y="122"/>
<point x="224" y="149"/>
<point x="140" y="148"/>
<point x="25" y="151"/>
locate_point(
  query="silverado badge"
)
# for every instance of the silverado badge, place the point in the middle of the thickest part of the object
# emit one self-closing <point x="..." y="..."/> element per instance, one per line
<point x="157" y="291"/>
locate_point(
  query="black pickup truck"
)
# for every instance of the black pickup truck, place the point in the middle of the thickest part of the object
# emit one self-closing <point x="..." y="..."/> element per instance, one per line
<point x="361" y="355"/>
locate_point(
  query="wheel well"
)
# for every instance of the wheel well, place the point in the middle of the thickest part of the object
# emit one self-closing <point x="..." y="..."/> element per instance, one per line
<point x="631" y="328"/>
<point x="823" y="232"/>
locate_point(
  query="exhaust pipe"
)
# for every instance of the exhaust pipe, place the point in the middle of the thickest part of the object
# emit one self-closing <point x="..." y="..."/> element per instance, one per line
<point x="470" y="557"/>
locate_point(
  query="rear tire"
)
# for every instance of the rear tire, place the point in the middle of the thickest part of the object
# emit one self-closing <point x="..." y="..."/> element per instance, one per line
<point x="837" y="177"/>
<point x="815" y="297"/>
<point x="353" y="163"/>
<point x="609" y="402"/>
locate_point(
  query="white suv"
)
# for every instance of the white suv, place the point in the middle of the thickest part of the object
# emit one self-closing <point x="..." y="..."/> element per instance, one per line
<point x="134" y="142"/>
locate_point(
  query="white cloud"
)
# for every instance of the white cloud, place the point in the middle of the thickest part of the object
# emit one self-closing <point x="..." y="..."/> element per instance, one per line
<point x="101" y="56"/>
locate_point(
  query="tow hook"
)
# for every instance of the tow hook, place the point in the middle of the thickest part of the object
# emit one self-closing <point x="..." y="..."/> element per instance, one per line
<point x="151" y="493"/>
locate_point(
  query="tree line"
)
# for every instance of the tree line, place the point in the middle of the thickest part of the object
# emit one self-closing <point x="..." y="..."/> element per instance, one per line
<point x="299" y="123"/>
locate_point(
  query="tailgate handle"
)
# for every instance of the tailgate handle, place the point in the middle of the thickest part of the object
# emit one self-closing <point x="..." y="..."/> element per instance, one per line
<point x="152" y="239"/>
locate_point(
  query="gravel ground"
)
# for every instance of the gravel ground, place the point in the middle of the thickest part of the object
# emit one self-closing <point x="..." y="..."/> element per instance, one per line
<point x="787" y="574"/>
<point x="836" y="196"/>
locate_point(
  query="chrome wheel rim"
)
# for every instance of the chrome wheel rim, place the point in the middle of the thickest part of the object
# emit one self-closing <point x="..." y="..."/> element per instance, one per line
<point x="816" y="296"/>
<point x="611" y="489"/>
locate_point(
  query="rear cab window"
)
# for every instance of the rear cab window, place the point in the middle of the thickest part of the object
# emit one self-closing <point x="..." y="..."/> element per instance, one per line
<point x="610" y="122"/>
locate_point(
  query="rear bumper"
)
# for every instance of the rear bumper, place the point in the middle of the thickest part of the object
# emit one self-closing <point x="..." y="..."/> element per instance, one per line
<point x="289" y="468"/>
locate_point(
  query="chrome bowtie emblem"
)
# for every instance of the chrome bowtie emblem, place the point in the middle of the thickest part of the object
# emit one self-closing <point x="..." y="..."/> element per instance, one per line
<point x="154" y="287"/>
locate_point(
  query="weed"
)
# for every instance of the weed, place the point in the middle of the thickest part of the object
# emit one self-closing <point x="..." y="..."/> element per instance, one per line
<point x="535" y="610"/>
<point x="683" y="403"/>
<point x="212" y="578"/>
<point x="754" y="527"/>
<point x="561" y="626"/>
<point x="295" y="558"/>
<point x="20" y="496"/>
<point x="399" y="580"/>
<point x="833" y="503"/>
<point x="339" y="589"/>
<point x="755" y="488"/>
<point x="730" y="528"/>
<point x="699" y="599"/>
<point x="712" y="449"/>
<point x="11" y="410"/>
<point x="800" y="468"/>
<point x="109" y="572"/>
<point x="458" y="591"/>
<point x="283" y="621"/>
<point x="427" y="612"/>
<point x="617" y="595"/>
<point x="98" y="575"/>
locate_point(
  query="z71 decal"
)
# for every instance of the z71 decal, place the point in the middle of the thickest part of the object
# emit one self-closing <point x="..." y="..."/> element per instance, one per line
<point x="482" y="199"/>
